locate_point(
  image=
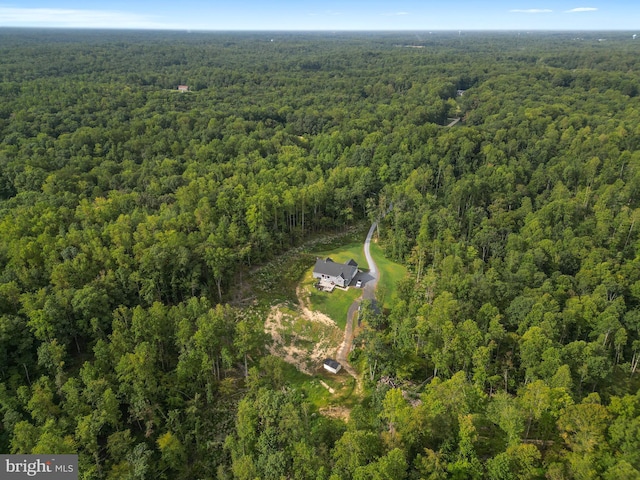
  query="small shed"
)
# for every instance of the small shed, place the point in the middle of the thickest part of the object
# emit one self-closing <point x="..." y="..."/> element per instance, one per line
<point x="183" y="88"/>
<point x="331" y="365"/>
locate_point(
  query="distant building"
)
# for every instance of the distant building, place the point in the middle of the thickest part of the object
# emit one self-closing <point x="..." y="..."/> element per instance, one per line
<point x="183" y="88"/>
<point x="330" y="272"/>
<point x="460" y="93"/>
<point x="331" y="365"/>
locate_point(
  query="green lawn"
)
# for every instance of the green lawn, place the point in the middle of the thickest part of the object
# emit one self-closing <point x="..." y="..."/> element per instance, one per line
<point x="276" y="281"/>
<point x="316" y="393"/>
<point x="335" y="304"/>
<point x="390" y="274"/>
<point x="346" y="252"/>
<point x="310" y="385"/>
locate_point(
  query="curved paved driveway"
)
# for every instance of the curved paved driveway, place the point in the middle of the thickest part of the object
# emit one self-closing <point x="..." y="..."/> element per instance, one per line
<point x="369" y="293"/>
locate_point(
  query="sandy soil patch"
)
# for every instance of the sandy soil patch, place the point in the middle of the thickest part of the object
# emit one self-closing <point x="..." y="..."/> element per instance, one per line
<point x="303" y="302"/>
<point x="338" y="412"/>
<point x="331" y="390"/>
<point x="301" y="337"/>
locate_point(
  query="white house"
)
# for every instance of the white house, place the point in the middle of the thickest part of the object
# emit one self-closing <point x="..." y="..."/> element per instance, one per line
<point x="341" y="274"/>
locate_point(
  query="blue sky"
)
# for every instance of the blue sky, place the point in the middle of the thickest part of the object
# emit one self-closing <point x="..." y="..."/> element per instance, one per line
<point x="325" y="15"/>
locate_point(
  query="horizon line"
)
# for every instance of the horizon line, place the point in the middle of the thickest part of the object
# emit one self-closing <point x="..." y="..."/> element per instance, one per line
<point x="319" y="30"/>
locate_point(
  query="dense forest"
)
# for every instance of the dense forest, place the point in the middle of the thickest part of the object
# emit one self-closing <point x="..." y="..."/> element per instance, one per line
<point x="131" y="215"/>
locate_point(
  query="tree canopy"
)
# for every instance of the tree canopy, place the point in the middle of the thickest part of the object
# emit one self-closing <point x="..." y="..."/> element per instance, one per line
<point x="132" y="216"/>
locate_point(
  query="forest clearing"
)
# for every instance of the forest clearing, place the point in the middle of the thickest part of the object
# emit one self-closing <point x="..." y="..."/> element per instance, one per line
<point x="302" y="337"/>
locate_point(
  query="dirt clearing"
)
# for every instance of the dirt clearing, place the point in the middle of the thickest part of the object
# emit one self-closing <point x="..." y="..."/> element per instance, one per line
<point x="301" y="337"/>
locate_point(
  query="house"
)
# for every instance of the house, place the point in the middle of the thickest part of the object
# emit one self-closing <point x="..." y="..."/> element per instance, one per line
<point x="331" y="365"/>
<point x="329" y="272"/>
<point x="183" y="88"/>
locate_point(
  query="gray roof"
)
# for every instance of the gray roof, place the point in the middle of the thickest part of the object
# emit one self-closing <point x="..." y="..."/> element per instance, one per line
<point x="333" y="269"/>
<point x="330" y="362"/>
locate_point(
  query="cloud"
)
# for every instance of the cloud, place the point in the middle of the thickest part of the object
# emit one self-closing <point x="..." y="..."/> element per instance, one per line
<point x="581" y="9"/>
<point x="75" y="18"/>
<point x="532" y="10"/>
<point x="395" y="14"/>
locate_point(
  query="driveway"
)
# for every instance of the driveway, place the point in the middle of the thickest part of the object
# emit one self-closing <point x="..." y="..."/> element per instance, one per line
<point x="369" y="292"/>
<point x="369" y="281"/>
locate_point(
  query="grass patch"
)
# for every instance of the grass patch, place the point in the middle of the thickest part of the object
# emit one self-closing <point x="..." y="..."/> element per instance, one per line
<point x="343" y="385"/>
<point x="276" y="281"/>
<point x="304" y="330"/>
<point x="309" y="385"/>
<point x="335" y="304"/>
<point x="345" y="391"/>
<point x="390" y="274"/>
<point x="342" y="254"/>
<point x="337" y="241"/>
